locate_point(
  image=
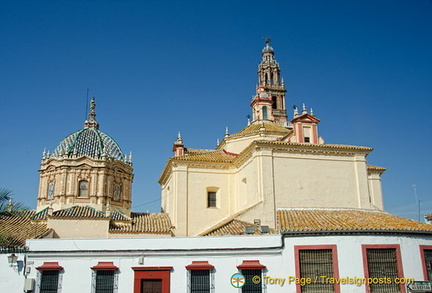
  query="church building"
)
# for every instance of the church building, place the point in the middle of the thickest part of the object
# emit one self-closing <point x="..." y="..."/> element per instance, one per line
<point x="273" y="208"/>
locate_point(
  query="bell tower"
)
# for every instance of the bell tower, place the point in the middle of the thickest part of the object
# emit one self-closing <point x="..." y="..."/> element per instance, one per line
<point x="270" y="81"/>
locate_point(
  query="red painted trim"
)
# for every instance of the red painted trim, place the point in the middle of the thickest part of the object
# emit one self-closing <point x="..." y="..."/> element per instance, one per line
<point x="399" y="267"/>
<point x="152" y="268"/>
<point x="314" y="133"/>
<point x="231" y="154"/>
<point x="251" y="265"/>
<point x="422" y="255"/>
<point x="199" y="265"/>
<point x="50" y="266"/>
<point x="306" y="118"/>
<point x="299" y="132"/>
<point x="152" y="273"/>
<point x="105" y="266"/>
<point x="297" y="249"/>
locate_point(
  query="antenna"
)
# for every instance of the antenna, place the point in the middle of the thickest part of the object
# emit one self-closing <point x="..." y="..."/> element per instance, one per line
<point x="87" y="103"/>
<point x="417" y="201"/>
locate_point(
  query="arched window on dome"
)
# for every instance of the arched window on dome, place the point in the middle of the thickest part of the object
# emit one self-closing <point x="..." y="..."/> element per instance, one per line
<point x="83" y="188"/>
<point x="265" y="112"/>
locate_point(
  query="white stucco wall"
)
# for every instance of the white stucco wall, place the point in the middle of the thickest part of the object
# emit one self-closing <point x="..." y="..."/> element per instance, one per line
<point x="76" y="256"/>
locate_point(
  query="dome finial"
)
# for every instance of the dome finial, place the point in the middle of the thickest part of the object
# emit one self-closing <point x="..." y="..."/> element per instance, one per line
<point x="91" y="121"/>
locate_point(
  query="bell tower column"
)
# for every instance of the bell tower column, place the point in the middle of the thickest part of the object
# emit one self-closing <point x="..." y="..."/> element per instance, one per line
<point x="270" y="80"/>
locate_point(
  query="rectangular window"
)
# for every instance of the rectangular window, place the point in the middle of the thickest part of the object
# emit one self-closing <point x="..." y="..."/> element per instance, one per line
<point x="83" y="188"/>
<point x="315" y="264"/>
<point x="104" y="277"/>
<point x="306" y="139"/>
<point x="49" y="278"/>
<point x="49" y="281"/>
<point x="200" y="281"/>
<point x="382" y="264"/>
<point x="104" y="281"/>
<point x="427" y="255"/>
<point x="250" y="286"/>
<point x="211" y="199"/>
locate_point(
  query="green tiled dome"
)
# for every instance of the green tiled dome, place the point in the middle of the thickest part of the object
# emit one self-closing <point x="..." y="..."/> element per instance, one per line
<point x="89" y="142"/>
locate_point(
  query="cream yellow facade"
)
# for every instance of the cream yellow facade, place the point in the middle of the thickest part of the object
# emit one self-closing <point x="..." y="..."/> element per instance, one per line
<point x="271" y="164"/>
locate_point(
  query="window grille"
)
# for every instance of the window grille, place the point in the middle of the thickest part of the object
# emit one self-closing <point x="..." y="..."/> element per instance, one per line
<point x="382" y="263"/>
<point x="200" y="281"/>
<point x="105" y="281"/>
<point x="250" y="286"/>
<point x="211" y="199"/>
<point x="313" y="265"/>
<point x="49" y="282"/>
<point x="428" y="261"/>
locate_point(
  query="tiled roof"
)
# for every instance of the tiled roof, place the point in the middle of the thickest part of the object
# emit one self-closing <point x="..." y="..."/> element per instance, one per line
<point x="235" y="227"/>
<point x="317" y="146"/>
<point x="326" y="220"/>
<point x="40" y="216"/>
<point x="155" y="223"/>
<point x="85" y="212"/>
<point x="16" y="227"/>
<point x="429" y="217"/>
<point x="206" y="156"/>
<point x="89" y="142"/>
<point x="119" y="216"/>
<point x="375" y="168"/>
<point x="258" y="127"/>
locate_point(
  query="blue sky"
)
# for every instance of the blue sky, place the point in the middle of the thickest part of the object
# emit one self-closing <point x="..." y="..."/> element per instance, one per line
<point x="159" y="67"/>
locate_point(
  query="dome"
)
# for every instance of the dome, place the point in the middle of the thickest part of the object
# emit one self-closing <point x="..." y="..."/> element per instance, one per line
<point x="89" y="142"/>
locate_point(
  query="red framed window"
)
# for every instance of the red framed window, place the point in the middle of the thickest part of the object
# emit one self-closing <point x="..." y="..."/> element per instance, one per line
<point x="250" y="269"/>
<point x="49" y="278"/>
<point x="319" y="263"/>
<point x="200" y="277"/>
<point x="105" y="278"/>
<point x="382" y="265"/>
<point x="426" y="257"/>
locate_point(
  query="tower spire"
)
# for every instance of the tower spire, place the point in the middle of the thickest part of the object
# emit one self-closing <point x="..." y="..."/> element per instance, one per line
<point x="271" y="84"/>
<point x="91" y="121"/>
<point x="270" y="80"/>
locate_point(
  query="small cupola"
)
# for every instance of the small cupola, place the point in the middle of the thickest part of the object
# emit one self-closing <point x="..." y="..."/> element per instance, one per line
<point x="178" y="146"/>
<point x="305" y="127"/>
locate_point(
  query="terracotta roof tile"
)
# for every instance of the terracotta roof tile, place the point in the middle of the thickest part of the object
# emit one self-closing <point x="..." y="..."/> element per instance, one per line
<point x="156" y="223"/>
<point x="345" y="220"/>
<point x="16" y="227"/>
<point x="206" y="156"/>
<point x="256" y="128"/>
<point x="79" y="212"/>
<point x="41" y="215"/>
<point x="429" y="217"/>
<point x="375" y="168"/>
<point x="119" y="216"/>
<point x="235" y="227"/>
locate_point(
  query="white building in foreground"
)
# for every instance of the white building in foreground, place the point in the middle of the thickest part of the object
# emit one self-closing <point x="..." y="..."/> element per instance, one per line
<point x="282" y="263"/>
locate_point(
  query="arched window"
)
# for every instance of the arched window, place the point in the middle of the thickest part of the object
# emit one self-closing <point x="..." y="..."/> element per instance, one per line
<point x="265" y="112"/>
<point x="83" y="188"/>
